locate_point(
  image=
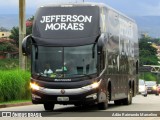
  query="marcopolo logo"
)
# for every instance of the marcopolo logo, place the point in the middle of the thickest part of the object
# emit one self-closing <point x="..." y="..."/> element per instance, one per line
<point x="65" y="22"/>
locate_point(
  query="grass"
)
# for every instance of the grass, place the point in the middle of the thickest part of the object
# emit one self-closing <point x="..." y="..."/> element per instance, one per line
<point x="14" y="85"/>
<point x="14" y="102"/>
<point x="11" y="64"/>
<point x="7" y="64"/>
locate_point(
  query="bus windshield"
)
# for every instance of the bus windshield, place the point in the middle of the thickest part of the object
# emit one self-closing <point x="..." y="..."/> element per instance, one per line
<point x="64" y="62"/>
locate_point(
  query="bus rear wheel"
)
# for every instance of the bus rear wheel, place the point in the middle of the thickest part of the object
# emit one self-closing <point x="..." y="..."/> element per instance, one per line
<point x="128" y="100"/>
<point x="48" y="106"/>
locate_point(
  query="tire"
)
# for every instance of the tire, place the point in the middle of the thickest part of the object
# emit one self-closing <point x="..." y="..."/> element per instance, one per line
<point x="145" y="95"/>
<point x="48" y="106"/>
<point x="103" y="105"/>
<point x="157" y="94"/>
<point x="128" y="100"/>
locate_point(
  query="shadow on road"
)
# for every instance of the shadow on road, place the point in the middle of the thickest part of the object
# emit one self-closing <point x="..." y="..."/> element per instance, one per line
<point x="72" y="111"/>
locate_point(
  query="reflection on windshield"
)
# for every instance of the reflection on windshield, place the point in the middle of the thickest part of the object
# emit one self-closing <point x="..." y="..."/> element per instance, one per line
<point x="63" y="62"/>
<point x="151" y="83"/>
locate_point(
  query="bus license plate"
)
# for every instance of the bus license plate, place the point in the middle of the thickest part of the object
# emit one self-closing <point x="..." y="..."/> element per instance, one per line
<point x="62" y="98"/>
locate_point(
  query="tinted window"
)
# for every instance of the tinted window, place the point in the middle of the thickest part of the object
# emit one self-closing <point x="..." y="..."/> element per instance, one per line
<point x="151" y="83"/>
<point x="63" y="62"/>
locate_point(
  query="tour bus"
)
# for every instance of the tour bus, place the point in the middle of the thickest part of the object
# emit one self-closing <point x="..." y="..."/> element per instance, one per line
<point x="82" y="54"/>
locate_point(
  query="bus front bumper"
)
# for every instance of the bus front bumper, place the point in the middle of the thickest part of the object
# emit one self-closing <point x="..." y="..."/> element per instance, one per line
<point x="83" y="97"/>
<point x="93" y="93"/>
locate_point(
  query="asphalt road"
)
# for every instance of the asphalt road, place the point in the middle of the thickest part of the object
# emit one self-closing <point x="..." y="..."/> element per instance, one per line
<point x="140" y="103"/>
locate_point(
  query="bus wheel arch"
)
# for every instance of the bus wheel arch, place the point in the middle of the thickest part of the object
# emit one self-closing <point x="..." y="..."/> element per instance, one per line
<point x="102" y="105"/>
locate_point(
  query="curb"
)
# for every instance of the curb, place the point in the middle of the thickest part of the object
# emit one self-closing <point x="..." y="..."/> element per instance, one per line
<point x="15" y="104"/>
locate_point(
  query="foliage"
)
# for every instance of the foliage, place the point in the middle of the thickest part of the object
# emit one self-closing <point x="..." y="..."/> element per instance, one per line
<point x="29" y="28"/>
<point x="7" y="45"/>
<point x="15" y="31"/>
<point x="156" y="41"/>
<point x="147" y="53"/>
<point x="15" y="101"/>
<point x="148" y="76"/>
<point x="9" y="64"/>
<point x="14" y="85"/>
<point x="31" y="18"/>
<point x="15" y="35"/>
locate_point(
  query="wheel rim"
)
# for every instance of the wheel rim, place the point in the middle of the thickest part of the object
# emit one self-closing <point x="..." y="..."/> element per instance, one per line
<point x="130" y="96"/>
<point x="108" y="96"/>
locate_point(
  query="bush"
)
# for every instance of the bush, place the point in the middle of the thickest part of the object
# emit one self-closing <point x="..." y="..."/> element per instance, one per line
<point x="7" y="45"/>
<point x="12" y="64"/>
<point x="148" y="76"/>
<point x="9" y="64"/>
<point x="14" y="85"/>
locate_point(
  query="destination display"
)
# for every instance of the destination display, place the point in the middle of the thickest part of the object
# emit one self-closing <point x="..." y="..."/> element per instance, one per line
<point x="65" y="22"/>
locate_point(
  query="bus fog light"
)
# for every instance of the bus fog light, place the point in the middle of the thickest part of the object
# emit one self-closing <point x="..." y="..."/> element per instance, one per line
<point x="94" y="96"/>
<point x="35" y="96"/>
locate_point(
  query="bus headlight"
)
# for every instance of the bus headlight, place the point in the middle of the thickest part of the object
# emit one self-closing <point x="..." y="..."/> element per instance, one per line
<point x="92" y="86"/>
<point x="95" y="85"/>
<point x="34" y="86"/>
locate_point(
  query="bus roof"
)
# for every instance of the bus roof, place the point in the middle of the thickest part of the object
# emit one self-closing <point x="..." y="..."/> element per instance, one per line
<point x="88" y="4"/>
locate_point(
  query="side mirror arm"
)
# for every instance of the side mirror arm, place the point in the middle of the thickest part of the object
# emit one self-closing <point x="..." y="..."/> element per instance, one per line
<point x="100" y="43"/>
<point x="26" y="45"/>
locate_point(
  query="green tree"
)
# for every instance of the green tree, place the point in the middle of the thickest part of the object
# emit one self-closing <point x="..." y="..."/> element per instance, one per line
<point x="15" y="35"/>
<point x="29" y="28"/>
<point x="147" y="52"/>
<point x="7" y="46"/>
<point x="156" y="41"/>
<point x="15" y="31"/>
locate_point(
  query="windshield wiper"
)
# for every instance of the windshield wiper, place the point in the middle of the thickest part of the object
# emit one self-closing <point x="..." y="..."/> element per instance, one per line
<point x="82" y="75"/>
<point x="87" y="75"/>
<point x="38" y="76"/>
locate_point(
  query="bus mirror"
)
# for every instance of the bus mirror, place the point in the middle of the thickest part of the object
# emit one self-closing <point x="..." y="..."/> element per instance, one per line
<point x="100" y="44"/>
<point x="26" y="45"/>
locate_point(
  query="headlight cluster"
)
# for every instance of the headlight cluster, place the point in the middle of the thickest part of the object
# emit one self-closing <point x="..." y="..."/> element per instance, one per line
<point x="34" y="86"/>
<point x="92" y="86"/>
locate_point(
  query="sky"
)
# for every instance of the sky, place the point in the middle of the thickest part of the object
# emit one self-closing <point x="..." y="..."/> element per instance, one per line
<point x="128" y="7"/>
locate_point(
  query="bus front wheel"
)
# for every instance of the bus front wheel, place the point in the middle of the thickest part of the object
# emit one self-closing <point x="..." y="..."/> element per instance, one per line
<point x="104" y="105"/>
<point x="48" y="106"/>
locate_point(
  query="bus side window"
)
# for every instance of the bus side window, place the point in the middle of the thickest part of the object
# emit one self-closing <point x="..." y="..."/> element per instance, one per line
<point x="102" y="60"/>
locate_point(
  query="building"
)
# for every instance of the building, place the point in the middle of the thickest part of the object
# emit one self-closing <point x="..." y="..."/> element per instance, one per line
<point x="5" y="34"/>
